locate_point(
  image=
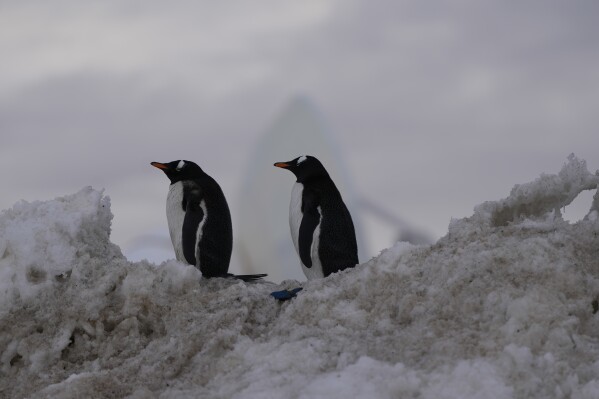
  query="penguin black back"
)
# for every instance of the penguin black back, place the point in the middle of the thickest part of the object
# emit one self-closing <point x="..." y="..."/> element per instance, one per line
<point x="321" y="225"/>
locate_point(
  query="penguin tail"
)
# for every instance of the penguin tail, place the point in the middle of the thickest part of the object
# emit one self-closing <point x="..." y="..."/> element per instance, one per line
<point x="248" y="277"/>
<point x="243" y="277"/>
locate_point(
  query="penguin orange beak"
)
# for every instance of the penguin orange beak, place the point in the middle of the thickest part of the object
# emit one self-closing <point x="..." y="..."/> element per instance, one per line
<point x="159" y="165"/>
<point x="282" y="165"/>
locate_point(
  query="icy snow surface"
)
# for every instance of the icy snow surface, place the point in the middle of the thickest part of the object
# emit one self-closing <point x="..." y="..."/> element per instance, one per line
<point x="505" y="305"/>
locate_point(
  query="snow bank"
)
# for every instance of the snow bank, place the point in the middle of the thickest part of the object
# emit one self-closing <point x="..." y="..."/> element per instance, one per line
<point x="505" y="305"/>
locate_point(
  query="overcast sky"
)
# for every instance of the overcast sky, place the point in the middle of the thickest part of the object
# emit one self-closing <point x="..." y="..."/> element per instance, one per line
<point x="437" y="106"/>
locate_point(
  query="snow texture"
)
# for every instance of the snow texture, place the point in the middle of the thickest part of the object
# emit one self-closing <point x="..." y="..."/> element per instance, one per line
<point x="506" y="305"/>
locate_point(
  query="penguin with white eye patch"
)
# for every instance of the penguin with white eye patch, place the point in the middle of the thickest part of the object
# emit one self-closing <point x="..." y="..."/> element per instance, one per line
<point x="321" y="226"/>
<point x="199" y="220"/>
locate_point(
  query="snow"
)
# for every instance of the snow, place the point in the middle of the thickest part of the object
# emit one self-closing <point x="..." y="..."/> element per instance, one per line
<point x="506" y="305"/>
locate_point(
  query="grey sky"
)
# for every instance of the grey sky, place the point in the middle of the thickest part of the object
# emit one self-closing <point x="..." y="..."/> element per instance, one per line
<point x="438" y="106"/>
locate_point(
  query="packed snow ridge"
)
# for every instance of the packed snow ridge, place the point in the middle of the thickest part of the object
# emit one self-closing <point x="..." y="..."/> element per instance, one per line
<point x="506" y="305"/>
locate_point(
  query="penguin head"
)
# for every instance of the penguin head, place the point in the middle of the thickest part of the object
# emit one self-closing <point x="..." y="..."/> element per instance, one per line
<point x="179" y="170"/>
<point x="304" y="167"/>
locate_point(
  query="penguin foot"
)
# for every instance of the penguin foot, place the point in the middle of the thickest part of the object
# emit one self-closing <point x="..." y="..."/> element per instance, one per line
<point x="286" y="295"/>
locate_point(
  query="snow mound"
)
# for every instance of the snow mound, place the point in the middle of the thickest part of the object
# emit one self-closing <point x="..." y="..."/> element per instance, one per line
<point x="545" y="194"/>
<point x="505" y="305"/>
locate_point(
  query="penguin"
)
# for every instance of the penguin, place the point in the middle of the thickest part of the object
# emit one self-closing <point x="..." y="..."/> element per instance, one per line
<point x="321" y="226"/>
<point x="199" y="220"/>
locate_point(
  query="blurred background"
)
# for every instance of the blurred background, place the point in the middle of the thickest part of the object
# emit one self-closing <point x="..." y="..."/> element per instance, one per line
<point x="420" y="110"/>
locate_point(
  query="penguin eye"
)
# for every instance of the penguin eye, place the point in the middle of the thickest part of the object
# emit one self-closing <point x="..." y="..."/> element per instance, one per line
<point x="180" y="165"/>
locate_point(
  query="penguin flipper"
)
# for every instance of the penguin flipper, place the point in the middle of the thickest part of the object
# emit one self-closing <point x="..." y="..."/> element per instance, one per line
<point x="194" y="214"/>
<point x="310" y="219"/>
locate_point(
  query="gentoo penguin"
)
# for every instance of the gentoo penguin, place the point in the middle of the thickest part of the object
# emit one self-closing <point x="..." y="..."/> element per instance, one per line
<point x="199" y="220"/>
<point x="322" y="229"/>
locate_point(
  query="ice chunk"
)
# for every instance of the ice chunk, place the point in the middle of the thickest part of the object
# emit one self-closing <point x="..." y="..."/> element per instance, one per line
<point x="546" y="194"/>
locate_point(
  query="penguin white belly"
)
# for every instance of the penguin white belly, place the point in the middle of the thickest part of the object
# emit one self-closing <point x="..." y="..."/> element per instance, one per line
<point x="295" y="221"/>
<point x="295" y="213"/>
<point x="175" y="215"/>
